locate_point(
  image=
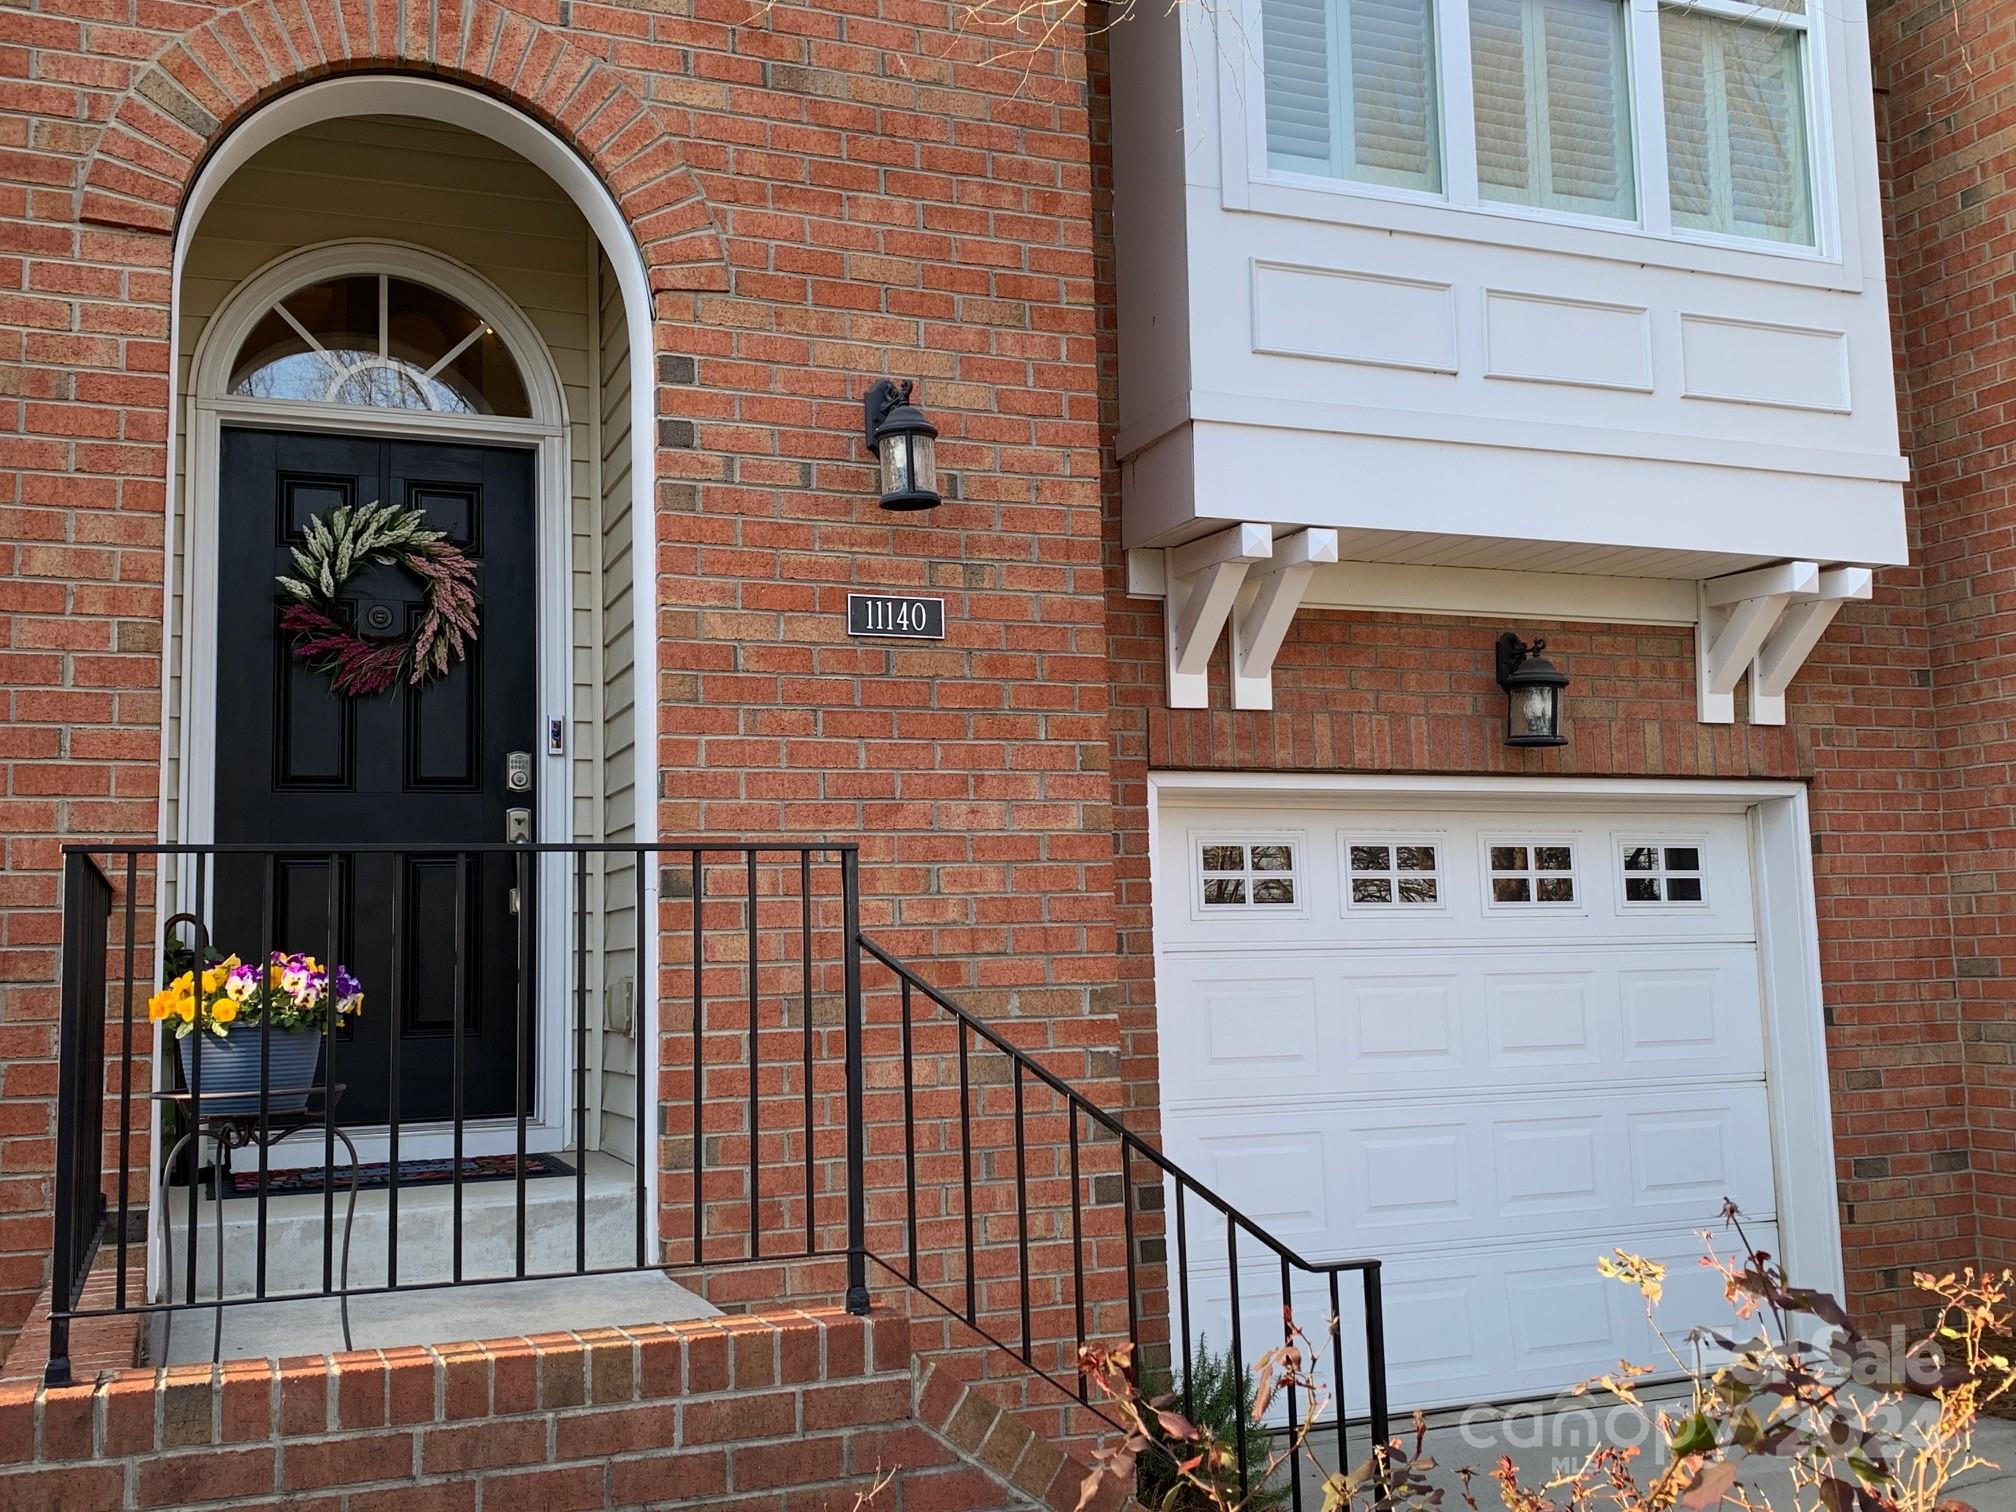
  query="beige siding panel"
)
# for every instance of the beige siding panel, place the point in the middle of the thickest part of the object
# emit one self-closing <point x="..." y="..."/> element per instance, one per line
<point x="619" y="766"/>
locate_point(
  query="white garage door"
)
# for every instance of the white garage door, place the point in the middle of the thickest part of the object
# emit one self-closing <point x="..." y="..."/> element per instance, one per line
<point x="1481" y="1045"/>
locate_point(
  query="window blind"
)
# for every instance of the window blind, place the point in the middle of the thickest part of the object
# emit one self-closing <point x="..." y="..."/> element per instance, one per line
<point x="1552" y="105"/>
<point x="1295" y="49"/>
<point x="1735" y="126"/>
<point x="1350" y="89"/>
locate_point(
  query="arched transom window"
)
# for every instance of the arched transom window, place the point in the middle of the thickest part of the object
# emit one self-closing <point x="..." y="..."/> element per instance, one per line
<point x="381" y="341"/>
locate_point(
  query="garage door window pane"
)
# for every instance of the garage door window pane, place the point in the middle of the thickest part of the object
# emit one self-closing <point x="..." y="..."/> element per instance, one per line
<point x="1658" y="873"/>
<point x="1247" y="876"/>
<point x="1533" y="873"/>
<point x="1397" y="875"/>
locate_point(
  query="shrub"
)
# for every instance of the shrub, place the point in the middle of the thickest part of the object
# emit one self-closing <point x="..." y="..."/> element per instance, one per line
<point x="1793" y="1381"/>
<point x="1219" y="1397"/>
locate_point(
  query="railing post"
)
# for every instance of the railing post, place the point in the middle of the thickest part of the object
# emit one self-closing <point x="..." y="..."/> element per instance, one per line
<point x="1375" y="1357"/>
<point x="67" y="1243"/>
<point x="857" y="1134"/>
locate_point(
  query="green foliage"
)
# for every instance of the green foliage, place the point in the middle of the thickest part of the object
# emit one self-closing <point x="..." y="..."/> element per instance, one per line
<point x="1220" y="1397"/>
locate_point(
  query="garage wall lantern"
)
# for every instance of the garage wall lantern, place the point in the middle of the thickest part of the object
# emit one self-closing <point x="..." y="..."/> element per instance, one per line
<point x="1532" y="687"/>
<point x="897" y="432"/>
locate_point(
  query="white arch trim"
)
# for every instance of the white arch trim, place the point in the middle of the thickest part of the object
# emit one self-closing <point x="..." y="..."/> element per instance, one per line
<point x="432" y="99"/>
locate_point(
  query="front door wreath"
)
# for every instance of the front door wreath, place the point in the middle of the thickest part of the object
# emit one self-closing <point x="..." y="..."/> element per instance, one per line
<point x="335" y="549"/>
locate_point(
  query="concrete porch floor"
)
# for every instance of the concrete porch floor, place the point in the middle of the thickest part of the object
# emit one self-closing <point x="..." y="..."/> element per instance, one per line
<point x="485" y="1305"/>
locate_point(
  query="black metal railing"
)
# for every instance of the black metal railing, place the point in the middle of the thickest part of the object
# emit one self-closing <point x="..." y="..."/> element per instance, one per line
<point x="748" y="943"/>
<point x="799" y="1111"/>
<point x="1006" y="1254"/>
<point x="80" y="1087"/>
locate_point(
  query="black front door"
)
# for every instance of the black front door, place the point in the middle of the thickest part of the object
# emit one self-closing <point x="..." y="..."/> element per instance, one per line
<point x="299" y="764"/>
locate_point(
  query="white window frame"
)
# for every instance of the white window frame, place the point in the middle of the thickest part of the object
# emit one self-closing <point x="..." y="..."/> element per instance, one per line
<point x="1297" y="874"/>
<point x="1809" y="82"/>
<point x="1662" y="873"/>
<point x="1393" y="840"/>
<point x="1530" y="841"/>
<point x="1249" y="182"/>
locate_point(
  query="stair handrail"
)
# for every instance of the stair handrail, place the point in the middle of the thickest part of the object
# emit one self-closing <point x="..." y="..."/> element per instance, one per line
<point x="1133" y="1146"/>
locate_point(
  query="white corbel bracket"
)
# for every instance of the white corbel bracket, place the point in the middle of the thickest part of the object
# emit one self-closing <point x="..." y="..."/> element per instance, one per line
<point x="1764" y="623"/>
<point x="1202" y="581"/>
<point x="1799" y="630"/>
<point x="1267" y="603"/>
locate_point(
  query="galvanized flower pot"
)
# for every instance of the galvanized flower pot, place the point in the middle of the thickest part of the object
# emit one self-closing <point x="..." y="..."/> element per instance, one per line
<point x="232" y="1065"/>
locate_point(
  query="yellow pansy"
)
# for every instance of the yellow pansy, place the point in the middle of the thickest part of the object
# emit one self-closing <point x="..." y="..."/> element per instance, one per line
<point x="223" y="1011"/>
<point x="161" y="1005"/>
<point x="185" y="1009"/>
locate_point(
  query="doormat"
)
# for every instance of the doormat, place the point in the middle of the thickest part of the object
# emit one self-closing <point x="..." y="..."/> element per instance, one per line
<point x="375" y="1174"/>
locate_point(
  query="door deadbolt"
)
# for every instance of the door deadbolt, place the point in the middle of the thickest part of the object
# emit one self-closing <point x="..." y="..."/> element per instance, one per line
<point x="518" y="772"/>
<point x="517" y="826"/>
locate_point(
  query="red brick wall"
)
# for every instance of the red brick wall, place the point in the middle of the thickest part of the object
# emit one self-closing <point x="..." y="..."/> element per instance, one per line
<point x="1946" y="76"/>
<point x="823" y="193"/>
<point x="803" y="1411"/>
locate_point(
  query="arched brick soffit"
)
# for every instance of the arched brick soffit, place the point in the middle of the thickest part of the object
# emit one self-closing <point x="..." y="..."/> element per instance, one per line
<point x="208" y="80"/>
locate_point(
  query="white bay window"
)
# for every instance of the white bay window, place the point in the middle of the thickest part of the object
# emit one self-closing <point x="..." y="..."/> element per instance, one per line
<point x="1708" y="135"/>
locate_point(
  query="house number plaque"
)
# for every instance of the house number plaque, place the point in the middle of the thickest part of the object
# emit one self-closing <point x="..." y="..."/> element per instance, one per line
<point x="904" y="616"/>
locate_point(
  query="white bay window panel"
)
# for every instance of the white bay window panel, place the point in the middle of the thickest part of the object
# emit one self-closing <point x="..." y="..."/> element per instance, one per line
<point x="1351" y="90"/>
<point x="1736" y="149"/>
<point x="1552" y="105"/>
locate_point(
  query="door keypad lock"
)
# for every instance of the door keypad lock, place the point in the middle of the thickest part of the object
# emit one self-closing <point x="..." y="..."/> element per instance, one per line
<point x="518" y="772"/>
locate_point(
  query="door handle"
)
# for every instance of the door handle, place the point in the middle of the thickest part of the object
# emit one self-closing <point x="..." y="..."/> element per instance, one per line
<point x="518" y="826"/>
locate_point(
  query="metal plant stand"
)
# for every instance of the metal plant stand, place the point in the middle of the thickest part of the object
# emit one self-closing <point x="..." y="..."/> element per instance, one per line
<point x="238" y="1131"/>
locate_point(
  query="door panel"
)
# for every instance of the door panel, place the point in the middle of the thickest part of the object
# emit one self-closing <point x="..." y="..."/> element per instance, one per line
<point x="299" y="765"/>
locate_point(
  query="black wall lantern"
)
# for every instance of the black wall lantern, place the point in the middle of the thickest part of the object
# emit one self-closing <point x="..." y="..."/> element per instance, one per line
<point x="1532" y="687"/>
<point x="898" y="433"/>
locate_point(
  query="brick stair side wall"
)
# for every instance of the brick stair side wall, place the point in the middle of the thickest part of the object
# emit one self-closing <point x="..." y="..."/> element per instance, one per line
<point x="793" y="1410"/>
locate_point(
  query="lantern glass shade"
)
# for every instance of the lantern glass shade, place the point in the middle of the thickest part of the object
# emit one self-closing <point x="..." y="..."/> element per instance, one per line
<point x="1534" y="715"/>
<point x="909" y="468"/>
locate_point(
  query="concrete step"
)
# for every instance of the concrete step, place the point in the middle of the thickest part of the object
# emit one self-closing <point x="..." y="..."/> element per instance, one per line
<point x="392" y="1320"/>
